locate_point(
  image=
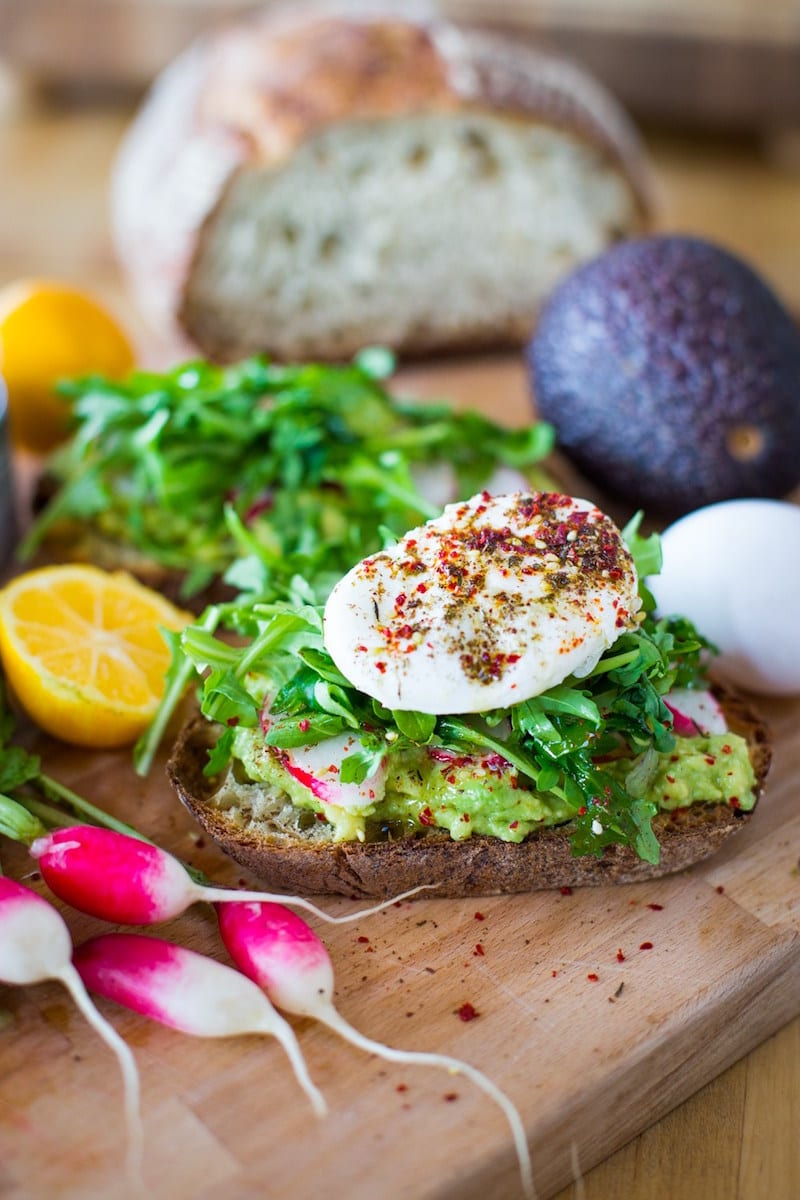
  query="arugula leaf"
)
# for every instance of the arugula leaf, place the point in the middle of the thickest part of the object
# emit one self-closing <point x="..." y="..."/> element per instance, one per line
<point x="416" y="726"/>
<point x="647" y="558"/>
<point x="361" y="763"/>
<point x="312" y="727"/>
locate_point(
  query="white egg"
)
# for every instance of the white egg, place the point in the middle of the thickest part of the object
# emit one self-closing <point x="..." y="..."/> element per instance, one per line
<point x="734" y="569"/>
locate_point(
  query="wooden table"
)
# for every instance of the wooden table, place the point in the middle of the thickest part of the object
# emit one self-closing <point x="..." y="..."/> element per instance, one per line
<point x="738" y="1137"/>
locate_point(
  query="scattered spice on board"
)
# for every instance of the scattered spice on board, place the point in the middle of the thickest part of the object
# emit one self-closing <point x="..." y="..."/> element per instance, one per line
<point x="467" y="1012"/>
<point x="478" y="951"/>
<point x="646" y="946"/>
<point x="566" y="891"/>
<point x="479" y="916"/>
<point x="620" y="956"/>
<point x="656" y="907"/>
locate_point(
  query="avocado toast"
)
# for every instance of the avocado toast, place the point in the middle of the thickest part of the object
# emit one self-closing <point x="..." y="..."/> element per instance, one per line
<point x="602" y="755"/>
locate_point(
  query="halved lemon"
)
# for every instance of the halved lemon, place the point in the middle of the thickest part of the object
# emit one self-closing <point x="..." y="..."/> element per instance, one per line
<point x="84" y="653"/>
<point x="48" y="332"/>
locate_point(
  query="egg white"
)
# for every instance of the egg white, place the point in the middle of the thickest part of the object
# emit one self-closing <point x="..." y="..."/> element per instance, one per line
<point x="490" y="604"/>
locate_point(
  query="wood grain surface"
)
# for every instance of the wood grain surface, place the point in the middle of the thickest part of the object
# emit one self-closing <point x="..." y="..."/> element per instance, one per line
<point x="226" y="1118"/>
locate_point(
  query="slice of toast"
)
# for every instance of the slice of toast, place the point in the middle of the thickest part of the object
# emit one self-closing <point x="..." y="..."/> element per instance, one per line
<point x="288" y="849"/>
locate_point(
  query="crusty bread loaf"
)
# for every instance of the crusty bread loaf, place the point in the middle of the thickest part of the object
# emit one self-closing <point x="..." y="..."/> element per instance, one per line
<point x="288" y="849"/>
<point x="306" y="183"/>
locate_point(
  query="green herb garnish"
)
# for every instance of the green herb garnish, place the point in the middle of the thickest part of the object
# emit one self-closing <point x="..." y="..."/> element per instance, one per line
<point x="283" y="471"/>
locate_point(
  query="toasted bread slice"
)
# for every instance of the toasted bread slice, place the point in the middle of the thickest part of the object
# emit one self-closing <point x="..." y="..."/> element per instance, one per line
<point x="283" y="845"/>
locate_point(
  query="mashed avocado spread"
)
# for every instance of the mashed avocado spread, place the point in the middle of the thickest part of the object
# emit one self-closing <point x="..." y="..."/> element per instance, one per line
<point x="463" y="794"/>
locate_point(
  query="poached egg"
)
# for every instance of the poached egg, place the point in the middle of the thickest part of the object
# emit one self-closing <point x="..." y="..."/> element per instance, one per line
<point x="494" y="602"/>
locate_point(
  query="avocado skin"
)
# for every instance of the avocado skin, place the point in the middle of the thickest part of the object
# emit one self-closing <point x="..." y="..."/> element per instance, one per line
<point x="651" y="358"/>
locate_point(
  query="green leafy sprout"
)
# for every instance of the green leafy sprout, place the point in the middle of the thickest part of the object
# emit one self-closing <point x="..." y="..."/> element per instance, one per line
<point x="264" y="470"/>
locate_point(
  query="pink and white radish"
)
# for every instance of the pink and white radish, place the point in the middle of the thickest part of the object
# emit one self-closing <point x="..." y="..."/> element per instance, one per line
<point x="186" y="991"/>
<point x="35" y="946"/>
<point x="695" y="712"/>
<point x="131" y="882"/>
<point x="276" y="948"/>
<point x="318" y="767"/>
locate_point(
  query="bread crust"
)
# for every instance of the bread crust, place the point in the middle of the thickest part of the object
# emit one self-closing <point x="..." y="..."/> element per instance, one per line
<point x="247" y="97"/>
<point x="478" y="866"/>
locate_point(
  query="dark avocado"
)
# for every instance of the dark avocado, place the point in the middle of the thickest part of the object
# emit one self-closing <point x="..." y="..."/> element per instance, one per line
<point x="672" y="376"/>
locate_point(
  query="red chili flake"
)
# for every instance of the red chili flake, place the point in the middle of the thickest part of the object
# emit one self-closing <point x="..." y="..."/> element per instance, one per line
<point x="674" y="757"/>
<point x="304" y="725"/>
<point x="362" y="938"/>
<point x="405" y="631"/>
<point x="514" y="825"/>
<point x="450" y="1096"/>
<point x="711" y="760"/>
<point x="512" y="658"/>
<point x="479" y="951"/>
<point x="734" y="802"/>
<point x="426" y="817"/>
<point x="363" y="649"/>
<point x="381" y="666"/>
<point x="232" y="721"/>
<point x="566" y="891"/>
<point x="479" y="917"/>
<point x="468" y="1012"/>
<point x="582" y="811"/>
<point x="656" y="907"/>
<point x="451" y="778"/>
<point x="400" y="600"/>
<point x="321" y="817"/>
<point x="646" y="946"/>
<point x="620" y="956"/>
<point x="592" y="977"/>
<point x="719" y="889"/>
<point x="465" y="817"/>
<point x="726" y="749"/>
<point x="401" y="1087"/>
<point x="670" y="778"/>
<point x="554" y="973"/>
<point x="422" y="587"/>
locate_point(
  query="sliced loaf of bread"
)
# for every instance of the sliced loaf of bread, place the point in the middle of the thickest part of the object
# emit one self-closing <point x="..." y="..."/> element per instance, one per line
<point x="315" y="179"/>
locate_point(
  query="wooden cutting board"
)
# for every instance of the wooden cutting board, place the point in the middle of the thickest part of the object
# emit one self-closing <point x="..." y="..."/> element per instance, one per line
<point x="589" y="1061"/>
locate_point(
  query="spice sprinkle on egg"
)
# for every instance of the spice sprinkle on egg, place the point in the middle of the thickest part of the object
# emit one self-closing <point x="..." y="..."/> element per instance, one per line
<point x="494" y="602"/>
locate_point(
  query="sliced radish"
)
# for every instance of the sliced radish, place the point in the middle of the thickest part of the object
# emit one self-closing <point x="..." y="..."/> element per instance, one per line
<point x="695" y="712"/>
<point x="318" y="768"/>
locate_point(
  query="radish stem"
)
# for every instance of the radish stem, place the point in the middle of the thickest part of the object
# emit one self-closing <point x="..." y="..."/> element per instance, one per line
<point x="335" y="1021"/>
<point x="59" y="791"/>
<point x="130" y="1076"/>
<point x="216" y="895"/>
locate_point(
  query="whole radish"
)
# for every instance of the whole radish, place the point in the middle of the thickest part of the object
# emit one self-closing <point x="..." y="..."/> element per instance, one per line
<point x="132" y="882"/>
<point x="186" y="991"/>
<point x="276" y="948"/>
<point x="35" y="946"/>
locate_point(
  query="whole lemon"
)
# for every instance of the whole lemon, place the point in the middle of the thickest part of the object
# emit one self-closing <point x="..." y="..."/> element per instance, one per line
<point x="49" y="332"/>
